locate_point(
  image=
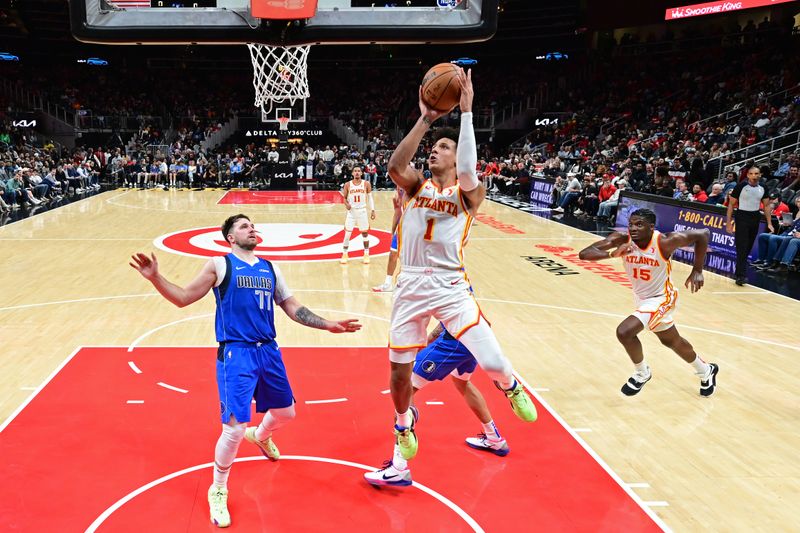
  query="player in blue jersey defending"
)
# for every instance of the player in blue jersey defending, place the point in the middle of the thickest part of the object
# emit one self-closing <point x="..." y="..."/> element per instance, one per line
<point x="249" y="363"/>
<point x="445" y="356"/>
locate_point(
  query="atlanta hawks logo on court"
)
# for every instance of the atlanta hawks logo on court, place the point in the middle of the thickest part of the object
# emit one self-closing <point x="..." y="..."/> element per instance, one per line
<point x="278" y="242"/>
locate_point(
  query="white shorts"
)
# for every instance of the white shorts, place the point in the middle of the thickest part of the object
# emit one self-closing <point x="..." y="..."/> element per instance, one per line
<point x="357" y="218"/>
<point x="656" y="314"/>
<point x="422" y="293"/>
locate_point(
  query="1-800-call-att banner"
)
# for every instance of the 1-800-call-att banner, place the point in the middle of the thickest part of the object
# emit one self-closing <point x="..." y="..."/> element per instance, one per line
<point x="713" y="8"/>
<point x="674" y="215"/>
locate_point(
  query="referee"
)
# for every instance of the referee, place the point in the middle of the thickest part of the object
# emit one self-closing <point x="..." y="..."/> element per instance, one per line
<point x="747" y="197"/>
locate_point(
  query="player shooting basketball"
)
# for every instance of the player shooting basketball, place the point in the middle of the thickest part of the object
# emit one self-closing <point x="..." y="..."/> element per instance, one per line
<point x="646" y="255"/>
<point x="432" y="233"/>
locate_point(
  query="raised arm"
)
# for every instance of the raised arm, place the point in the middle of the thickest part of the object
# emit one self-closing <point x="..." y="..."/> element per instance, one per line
<point x="302" y="315"/>
<point x="694" y="237"/>
<point x="399" y="170"/>
<point x="603" y="249"/>
<point x="180" y="296"/>
<point x="467" y="153"/>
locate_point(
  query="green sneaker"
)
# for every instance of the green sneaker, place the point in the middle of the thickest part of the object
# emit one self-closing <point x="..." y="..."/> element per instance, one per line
<point x="521" y="403"/>
<point x="407" y="442"/>
<point x="266" y="446"/>
<point x="218" y="506"/>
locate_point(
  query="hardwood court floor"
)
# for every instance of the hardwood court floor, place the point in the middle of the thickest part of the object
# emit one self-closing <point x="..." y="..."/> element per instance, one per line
<point x="725" y="463"/>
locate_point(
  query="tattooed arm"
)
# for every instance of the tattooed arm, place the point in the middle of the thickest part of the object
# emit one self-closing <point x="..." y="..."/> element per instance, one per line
<point x="302" y="315"/>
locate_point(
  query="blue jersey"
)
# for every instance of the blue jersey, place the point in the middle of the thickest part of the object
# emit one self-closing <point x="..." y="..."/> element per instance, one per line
<point x="245" y="302"/>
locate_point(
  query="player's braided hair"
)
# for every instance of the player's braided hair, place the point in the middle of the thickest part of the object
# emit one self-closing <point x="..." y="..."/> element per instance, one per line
<point x="646" y="214"/>
<point x="229" y="222"/>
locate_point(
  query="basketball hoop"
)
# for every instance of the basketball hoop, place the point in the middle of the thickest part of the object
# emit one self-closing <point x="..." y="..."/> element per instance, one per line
<point x="283" y="123"/>
<point x="279" y="75"/>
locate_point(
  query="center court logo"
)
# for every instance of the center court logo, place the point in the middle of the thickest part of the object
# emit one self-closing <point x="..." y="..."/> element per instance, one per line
<point x="278" y="242"/>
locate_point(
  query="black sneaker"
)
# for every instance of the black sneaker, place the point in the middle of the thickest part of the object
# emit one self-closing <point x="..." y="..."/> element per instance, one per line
<point x="741" y="281"/>
<point x="707" y="386"/>
<point x="633" y="386"/>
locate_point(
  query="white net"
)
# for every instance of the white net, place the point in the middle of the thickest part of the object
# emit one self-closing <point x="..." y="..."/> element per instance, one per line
<point x="279" y="75"/>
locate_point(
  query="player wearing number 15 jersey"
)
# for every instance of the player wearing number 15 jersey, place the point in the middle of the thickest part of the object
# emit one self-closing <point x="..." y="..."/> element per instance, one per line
<point x="432" y="233"/>
<point x="646" y="255"/>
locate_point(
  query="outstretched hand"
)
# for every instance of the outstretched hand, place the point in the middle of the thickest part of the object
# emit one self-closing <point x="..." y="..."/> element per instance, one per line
<point x="349" y="325"/>
<point x="695" y="280"/>
<point x="467" y="92"/>
<point x="147" y="266"/>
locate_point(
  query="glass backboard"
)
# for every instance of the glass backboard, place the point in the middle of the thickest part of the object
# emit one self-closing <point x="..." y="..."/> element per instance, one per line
<point x="233" y="22"/>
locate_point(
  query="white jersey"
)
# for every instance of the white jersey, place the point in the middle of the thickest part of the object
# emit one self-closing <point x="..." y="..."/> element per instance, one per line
<point x="649" y="271"/>
<point x="357" y="195"/>
<point x="434" y="228"/>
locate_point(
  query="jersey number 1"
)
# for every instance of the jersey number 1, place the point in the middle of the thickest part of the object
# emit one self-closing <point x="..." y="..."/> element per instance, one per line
<point x="429" y="229"/>
<point x="642" y="274"/>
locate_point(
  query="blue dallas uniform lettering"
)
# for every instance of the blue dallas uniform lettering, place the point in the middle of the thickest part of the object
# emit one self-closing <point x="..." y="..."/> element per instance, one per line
<point x="249" y="362"/>
<point x="441" y="357"/>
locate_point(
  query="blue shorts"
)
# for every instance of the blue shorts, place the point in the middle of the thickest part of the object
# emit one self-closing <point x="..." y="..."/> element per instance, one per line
<point x="393" y="246"/>
<point x="246" y="371"/>
<point x="442" y="357"/>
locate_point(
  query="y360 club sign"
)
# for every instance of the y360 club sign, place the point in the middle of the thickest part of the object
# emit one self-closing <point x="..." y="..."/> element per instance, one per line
<point x="278" y="242"/>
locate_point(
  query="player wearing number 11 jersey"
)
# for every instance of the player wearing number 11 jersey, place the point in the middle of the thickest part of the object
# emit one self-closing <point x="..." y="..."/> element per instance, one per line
<point x="646" y="255"/>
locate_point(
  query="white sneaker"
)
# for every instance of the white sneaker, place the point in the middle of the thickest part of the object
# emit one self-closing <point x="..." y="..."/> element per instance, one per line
<point x="557" y="210"/>
<point x="365" y="259"/>
<point x="343" y="260"/>
<point x="386" y="287"/>
<point x="636" y="382"/>
<point x="218" y="506"/>
<point x="482" y="442"/>
<point x="389" y="476"/>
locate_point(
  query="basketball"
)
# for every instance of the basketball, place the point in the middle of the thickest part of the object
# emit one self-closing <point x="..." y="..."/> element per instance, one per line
<point x="440" y="87"/>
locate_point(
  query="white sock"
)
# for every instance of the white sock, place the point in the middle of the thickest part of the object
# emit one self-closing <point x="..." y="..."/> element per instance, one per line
<point x="397" y="459"/>
<point x="700" y="366"/>
<point x="491" y="431"/>
<point x="221" y="475"/>
<point x="642" y="368"/>
<point x="225" y="452"/>
<point x="404" y="419"/>
<point x="389" y="279"/>
<point x="346" y="242"/>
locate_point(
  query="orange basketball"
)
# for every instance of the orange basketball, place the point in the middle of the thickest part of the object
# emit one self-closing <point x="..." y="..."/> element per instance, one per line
<point x="440" y="87"/>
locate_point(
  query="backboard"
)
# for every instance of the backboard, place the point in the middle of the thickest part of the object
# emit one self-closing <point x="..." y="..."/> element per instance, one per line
<point x="233" y="21"/>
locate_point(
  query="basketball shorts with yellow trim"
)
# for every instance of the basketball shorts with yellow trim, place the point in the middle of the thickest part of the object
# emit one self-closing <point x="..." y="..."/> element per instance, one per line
<point x="357" y="218"/>
<point x="422" y="293"/>
<point x="657" y="314"/>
